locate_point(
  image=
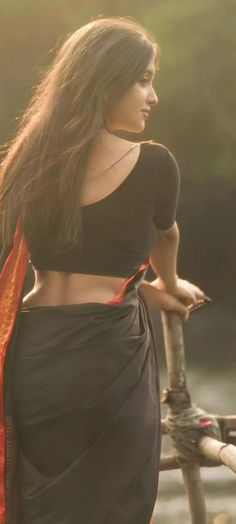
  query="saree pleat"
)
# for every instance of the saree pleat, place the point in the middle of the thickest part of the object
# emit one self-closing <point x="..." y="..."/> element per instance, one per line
<point x="86" y="399"/>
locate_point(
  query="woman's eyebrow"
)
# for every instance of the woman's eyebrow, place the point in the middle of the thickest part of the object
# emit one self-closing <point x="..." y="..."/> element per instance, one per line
<point x="150" y="72"/>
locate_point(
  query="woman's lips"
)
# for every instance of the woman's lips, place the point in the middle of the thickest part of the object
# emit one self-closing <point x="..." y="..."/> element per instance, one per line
<point x="146" y="112"/>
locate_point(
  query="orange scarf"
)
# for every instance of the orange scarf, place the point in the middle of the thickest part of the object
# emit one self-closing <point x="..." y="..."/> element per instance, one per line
<point x="12" y="280"/>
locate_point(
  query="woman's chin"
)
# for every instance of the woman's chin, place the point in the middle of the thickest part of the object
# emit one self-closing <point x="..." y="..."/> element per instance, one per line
<point x="141" y="128"/>
<point x="138" y="127"/>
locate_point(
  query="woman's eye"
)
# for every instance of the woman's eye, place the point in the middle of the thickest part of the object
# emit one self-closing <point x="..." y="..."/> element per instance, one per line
<point x="144" y="81"/>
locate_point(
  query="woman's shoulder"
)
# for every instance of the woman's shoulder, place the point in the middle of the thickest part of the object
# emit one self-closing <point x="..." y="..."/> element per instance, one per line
<point x="156" y="148"/>
<point x="160" y="164"/>
<point x="157" y="155"/>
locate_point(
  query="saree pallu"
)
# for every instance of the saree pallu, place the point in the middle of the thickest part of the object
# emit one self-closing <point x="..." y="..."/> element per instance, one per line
<point x="13" y="270"/>
<point x="82" y="385"/>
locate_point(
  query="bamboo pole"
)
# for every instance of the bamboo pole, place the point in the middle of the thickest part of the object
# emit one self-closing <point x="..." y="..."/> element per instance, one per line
<point x="169" y="462"/>
<point x="212" y="452"/>
<point x="219" y="451"/>
<point x="174" y="350"/>
<point x="194" y="488"/>
<point x="178" y="399"/>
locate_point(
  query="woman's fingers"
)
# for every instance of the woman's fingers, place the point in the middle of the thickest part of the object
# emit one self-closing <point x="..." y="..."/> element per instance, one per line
<point x="188" y="292"/>
<point x="181" y="310"/>
<point x="170" y="303"/>
<point x="186" y="296"/>
<point x="199" y="294"/>
<point x="185" y="291"/>
<point x="179" y="299"/>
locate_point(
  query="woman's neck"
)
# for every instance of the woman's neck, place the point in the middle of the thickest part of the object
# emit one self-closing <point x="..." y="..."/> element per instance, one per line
<point x="108" y="139"/>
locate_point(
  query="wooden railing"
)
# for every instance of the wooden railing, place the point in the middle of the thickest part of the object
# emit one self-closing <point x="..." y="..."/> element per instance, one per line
<point x="199" y="439"/>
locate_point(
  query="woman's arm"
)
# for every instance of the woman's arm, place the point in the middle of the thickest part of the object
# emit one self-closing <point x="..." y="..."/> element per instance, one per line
<point x="163" y="258"/>
<point x="163" y="261"/>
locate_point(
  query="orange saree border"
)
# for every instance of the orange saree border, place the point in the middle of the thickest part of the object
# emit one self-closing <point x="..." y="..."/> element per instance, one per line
<point x="121" y="293"/>
<point x="12" y="280"/>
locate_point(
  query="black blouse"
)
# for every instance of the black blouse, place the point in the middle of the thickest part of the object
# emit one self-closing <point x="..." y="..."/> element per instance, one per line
<point x="119" y="231"/>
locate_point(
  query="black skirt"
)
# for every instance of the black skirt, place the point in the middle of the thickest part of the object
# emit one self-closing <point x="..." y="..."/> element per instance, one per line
<point x="86" y="412"/>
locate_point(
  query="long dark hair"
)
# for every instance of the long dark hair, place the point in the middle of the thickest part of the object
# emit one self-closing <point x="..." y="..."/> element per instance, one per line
<point x="42" y="173"/>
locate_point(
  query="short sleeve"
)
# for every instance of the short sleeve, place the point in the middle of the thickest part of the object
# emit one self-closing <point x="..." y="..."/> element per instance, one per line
<point x="166" y="195"/>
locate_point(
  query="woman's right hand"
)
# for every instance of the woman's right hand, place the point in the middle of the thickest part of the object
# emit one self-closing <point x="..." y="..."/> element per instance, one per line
<point x="168" y="302"/>
<point x="160" y="299"/>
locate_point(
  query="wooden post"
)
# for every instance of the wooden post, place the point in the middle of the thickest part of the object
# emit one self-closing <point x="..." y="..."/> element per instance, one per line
<point x="219" y="452"/>
<point x="178" y="399"/>
<point x="194" y="488"/>
<point x="174" y="350"/>
<point x="213" y="452"/>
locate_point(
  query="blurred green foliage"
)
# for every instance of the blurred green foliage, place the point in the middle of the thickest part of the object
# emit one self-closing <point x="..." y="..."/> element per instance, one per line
<point x="196" y="83"/>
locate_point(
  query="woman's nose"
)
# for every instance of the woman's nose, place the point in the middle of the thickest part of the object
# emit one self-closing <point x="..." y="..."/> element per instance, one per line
<point x="153" y="99"/>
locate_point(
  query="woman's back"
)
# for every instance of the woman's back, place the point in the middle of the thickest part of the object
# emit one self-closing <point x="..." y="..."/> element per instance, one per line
<point x="121" y="209"/>
<point x="58" y="287"/>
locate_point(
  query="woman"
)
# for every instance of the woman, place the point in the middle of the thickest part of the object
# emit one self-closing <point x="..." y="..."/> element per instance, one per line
<point x="93" y="211"/>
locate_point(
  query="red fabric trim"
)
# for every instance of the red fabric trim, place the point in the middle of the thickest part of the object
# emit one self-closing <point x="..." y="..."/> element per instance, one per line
<point x="11" y="286"/>
<point x="121" y="293"/>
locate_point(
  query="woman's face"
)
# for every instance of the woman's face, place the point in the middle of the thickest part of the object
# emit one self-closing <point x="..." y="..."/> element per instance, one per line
<point x="129" y="112"/>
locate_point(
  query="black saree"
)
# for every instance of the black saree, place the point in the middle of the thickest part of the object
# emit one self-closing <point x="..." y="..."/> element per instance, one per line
<point x="84" y="394"/>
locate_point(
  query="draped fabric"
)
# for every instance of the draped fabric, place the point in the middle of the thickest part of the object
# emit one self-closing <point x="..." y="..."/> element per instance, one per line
<point x="81" y="394"/>
<point x="12" y="279"/>
<point x="87" y="414"/>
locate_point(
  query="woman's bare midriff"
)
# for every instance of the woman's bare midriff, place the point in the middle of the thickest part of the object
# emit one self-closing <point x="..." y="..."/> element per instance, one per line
<point x="54" y="288"/>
